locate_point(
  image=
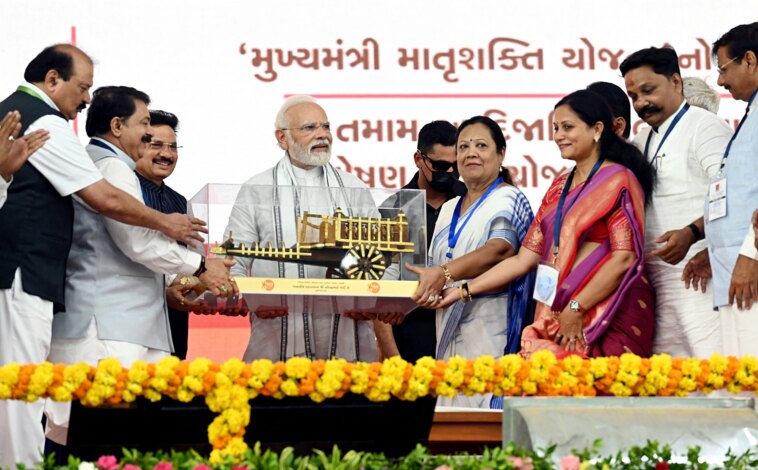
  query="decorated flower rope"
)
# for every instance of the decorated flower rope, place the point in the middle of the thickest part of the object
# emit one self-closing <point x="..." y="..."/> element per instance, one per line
<point x="228" y="387"/>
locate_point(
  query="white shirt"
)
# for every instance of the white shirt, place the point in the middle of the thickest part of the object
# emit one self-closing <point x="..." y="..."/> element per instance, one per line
<point x="148" y="247"/>
<point x="748" y="246"/>
<point x="62" y="160"/>
<point x="689" y="157"/>
<point x="4" y="189"/>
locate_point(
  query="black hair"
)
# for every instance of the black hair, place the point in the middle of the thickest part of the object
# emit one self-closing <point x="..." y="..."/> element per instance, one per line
<point x="58" y="57"/>
<point x="738" y="41"/>
<point x="591" y="109"/>
<point x="663" y="61"/>
<point x="164" y="118"/>
<point x="617" y="101"/>
<point x="436" y="132"/>
<point x="109" y="102"/>
<point x="497" y="135"/>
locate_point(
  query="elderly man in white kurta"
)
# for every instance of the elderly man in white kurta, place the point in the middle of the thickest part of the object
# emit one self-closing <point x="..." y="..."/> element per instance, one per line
<point x="266" y="210"/>
<point x="685" y="144"/>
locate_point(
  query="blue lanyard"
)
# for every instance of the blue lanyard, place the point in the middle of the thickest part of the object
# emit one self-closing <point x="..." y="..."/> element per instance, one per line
<point x="560" y="214"/>
<point x="665" y="136"/>
<point x="739" y="126"/>
<point x="101" y="144"/>
<point x="452" y="238"/>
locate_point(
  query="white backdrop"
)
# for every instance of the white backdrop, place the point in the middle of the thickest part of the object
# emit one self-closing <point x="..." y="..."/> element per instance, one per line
<point x="206" y="62"/>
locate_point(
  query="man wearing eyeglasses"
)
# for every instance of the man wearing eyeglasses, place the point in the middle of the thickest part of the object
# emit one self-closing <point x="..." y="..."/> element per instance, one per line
<point x="157" y="163"/>
<point x="36" y="223"/>
<point x="266" y="211"/>
<point x="685" y="145"/>
<point x="437" y="176"/>
<point x="730" y="223"/>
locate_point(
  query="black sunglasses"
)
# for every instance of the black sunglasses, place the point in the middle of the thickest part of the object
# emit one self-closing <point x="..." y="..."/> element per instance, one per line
<point x="440" y="166"/>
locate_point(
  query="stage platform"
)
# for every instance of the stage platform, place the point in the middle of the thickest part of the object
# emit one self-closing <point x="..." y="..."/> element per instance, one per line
<point x="465" y="430"/>
<point x="716" y="425"/>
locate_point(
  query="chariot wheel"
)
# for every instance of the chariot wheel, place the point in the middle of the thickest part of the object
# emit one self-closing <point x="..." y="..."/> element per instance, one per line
<point x="364" y="262"/>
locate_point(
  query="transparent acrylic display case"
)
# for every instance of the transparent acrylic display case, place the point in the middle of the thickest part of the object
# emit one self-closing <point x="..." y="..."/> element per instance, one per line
<point x="341" y="250"/>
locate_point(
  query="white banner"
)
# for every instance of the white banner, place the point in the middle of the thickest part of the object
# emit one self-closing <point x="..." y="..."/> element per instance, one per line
<point x="380" y="69"/>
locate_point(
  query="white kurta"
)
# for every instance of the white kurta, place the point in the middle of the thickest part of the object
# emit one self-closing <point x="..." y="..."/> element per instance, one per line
<point x="686" y="324"/>
<point x="25" y="320"/>
<point x="257" y="217"/>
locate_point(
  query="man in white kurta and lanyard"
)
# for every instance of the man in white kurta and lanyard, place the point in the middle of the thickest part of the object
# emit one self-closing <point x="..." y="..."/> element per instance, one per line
<point x="732" y="196"/>
<point x="115" y="287"/>
<point x="685" y="144"/>
<point x="269" y="215"/>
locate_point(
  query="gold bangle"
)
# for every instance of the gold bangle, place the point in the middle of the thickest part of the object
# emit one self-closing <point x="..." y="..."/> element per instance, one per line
<point x="461" y="294"/>
<point x="446" y="272"/>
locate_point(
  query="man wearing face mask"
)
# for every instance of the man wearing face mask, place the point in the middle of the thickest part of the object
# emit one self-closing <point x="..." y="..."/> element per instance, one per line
<point x="685" y="145"/>
<point x="437" y="176"/>
<point x="266" y="211"/>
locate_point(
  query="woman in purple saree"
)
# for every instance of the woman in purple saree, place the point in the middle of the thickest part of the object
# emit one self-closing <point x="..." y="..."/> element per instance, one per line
<point x="586" y="244"/>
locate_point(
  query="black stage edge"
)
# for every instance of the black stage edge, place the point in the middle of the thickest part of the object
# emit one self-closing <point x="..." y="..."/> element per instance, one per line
<point x="352" y="423"/>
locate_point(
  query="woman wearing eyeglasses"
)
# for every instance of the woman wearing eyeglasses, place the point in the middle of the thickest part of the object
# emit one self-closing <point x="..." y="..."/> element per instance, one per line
<point x="473" y="233"/>
<point x="586" y="244"/>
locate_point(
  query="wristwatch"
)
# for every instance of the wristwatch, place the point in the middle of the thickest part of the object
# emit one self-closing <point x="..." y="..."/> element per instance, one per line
<point x="575" y="307"/>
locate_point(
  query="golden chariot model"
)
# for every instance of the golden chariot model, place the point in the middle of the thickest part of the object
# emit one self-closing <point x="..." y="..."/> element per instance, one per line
<point x="350" y="247"/>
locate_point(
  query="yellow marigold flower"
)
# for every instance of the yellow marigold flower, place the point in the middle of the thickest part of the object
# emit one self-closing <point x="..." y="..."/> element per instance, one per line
<point x="297" y="367"/>
<point x="746" y="370"/>
<point x="359" y="378"/>
<point x="599" y="367"/>
<point x="421" y="378"/>
<point x="453" y="376"/>
<point x="41" y="378"/>
<point x="619" y="390"/>
<point x="691" y="367"/>
<point x="73" y="377"/>
<point x="8" y="379"/>
<point x="103" y="386"/>
<point x="289" y="388"/>
<point x="234" y="449"/>
<point x="261" y="370"/>
<point x="529" y="387"/>
<point x="236" y="419"/>
<point x="543" y="359"/>
<point x="511" y="364"/>
<point x="232" y="368"/>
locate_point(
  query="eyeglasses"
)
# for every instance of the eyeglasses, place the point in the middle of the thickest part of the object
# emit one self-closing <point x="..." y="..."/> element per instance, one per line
<point x="308" y="129"/>
<point x="440" y="166"/>
<point x="721" y="69"/>
<point x="158" y="145"/>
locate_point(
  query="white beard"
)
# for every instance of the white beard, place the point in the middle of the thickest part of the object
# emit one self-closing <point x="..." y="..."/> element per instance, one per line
<point x="305" y="156"/>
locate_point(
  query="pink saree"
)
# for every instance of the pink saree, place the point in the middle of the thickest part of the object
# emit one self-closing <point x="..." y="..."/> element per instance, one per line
<point x="625" y="320"/>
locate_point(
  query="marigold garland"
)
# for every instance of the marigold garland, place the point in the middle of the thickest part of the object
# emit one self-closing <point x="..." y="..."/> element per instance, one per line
<point x="228" y="387"/>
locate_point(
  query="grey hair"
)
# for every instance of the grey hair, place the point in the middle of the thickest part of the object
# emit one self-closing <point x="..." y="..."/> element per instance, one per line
<point x="698" y="93"/>
<point x="281" y="121"/>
